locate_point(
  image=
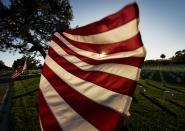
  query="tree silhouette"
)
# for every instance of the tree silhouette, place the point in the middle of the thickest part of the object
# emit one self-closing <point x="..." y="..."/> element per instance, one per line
<point x="162" y="56"/>
<point x="3" y="66"/>
<point x="179" y="57"/>
<point x="27" y="25"/>
<point x="32" y="63"/>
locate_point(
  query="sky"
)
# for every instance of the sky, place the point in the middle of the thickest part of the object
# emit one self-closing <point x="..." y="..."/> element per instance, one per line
<point x="161" y="23"/>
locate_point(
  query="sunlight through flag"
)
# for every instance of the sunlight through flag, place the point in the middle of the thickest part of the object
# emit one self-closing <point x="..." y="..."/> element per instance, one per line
<point x="90" y="73"/>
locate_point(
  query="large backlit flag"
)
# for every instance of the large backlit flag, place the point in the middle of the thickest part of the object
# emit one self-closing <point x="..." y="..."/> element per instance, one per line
<point x="90" y="74"/>
<point x="20" y="70"/>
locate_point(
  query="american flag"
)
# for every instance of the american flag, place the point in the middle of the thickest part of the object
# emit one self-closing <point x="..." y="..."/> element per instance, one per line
<point x="20" y="70"/>
<point x="90" y="74"/>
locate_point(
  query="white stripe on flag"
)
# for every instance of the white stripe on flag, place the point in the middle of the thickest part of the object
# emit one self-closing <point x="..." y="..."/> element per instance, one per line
<point x="140" y="52"/>
<point x="92" y="91"/>
<point x="68" y="119"/>
<point x="118" y="34"/>
<point x="41" y="128"/>
<point x="130" y="72"/>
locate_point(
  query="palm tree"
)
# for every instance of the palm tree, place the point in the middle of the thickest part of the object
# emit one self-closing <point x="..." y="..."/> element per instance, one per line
<point x="162" y="56"/>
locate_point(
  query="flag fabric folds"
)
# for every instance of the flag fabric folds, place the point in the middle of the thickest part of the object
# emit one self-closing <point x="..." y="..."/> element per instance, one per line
<point x="20" y="70"/>
<point x="90" y="73"/>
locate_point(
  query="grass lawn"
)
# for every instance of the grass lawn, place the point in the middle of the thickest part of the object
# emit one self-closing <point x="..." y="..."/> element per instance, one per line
<point x="23" y="114"/>
<point x="149" y="111"/>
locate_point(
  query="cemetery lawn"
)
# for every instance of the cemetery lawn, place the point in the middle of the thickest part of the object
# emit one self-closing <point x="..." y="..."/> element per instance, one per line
<point x="149" y="111"/>
<point x="24" y="105"/>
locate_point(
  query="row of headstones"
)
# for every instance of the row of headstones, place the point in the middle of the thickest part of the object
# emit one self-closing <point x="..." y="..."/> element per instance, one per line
<point x="178" y="76"/>
<point x="167" y="95"/>
<point x="147" y="74"/>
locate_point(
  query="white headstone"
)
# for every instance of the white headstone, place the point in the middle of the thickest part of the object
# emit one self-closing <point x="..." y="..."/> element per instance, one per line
<point x="167" y="95"/>
<point x="142" y="90"/>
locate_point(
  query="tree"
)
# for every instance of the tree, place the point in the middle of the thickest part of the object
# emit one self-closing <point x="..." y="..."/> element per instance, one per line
<point x="179" y="57"/>
<point x="1" y="63"/>
<point x="32" y="63"/>
<point x="3" y="66"/>
<point x="162" y="56"/>
<point x="27" y="25"/>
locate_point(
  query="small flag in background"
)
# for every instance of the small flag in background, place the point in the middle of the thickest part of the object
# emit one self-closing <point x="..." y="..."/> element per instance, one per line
<point x="20" y="70"/>
<point x="90" y="74"/>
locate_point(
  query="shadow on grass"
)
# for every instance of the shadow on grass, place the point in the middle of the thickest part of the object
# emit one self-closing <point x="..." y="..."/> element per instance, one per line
<point x="177" y="104"/>
<point x="27" y="93"/>
<point x="147" y="82"/>
<point x="135" y="100"/>
<point x="159" y="105"/>
<point x="140" y="84"/>
<point x="170" y="87"/>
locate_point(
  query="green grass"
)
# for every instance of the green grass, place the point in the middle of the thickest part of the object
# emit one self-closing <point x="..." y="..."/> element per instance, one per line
<point x="149" y="111"/>
<point x="154" y="113"/>
<point x="24" y="110"/>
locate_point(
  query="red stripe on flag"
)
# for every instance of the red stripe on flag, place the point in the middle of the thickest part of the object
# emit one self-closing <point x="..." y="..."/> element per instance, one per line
<point x="96" y="114"/>
<point x="48" y="121"/>
<point x="106" y="80"/>
<point x="127" y="45"/>
<point x="117" y="19"/>
<point x="133" y="61"/>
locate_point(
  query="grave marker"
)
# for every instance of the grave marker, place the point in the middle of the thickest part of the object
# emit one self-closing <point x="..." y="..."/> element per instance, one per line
<point x="167" y="95"/>
<point x="142" y="90"/>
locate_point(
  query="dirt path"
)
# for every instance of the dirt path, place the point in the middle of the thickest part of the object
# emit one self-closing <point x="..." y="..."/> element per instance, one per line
<point x="5" y="82"/>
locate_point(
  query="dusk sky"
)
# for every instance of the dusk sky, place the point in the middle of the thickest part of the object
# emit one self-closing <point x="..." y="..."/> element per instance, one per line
<point x="161" y="23"/>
